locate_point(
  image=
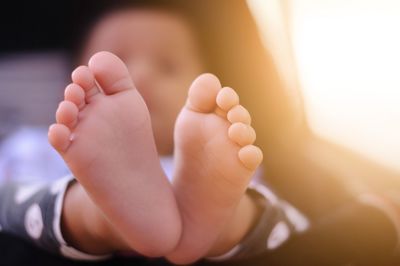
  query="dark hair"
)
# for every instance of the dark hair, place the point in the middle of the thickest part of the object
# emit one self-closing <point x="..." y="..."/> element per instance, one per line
<point x="231" y="49"/>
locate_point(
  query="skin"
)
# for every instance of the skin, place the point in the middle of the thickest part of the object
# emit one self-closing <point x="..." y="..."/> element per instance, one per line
<point x="162" y="67"/>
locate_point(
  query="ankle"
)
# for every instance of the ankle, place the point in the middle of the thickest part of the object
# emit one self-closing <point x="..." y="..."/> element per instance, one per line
<point x="84" y="226"/>
<point x="243" y="220"/>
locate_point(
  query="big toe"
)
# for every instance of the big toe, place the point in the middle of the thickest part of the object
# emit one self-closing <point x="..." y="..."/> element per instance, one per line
<point x="203" y="93"/>
<point x="110" y="73"/>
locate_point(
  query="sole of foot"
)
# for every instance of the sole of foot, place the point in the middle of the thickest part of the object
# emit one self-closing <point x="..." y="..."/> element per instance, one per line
<point x="214" y="161"/>
<point x="104" y="134"/>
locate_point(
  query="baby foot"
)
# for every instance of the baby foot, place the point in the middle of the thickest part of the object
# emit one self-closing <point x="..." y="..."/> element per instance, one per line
<point x="104" y="134"/>
<point x="214" y="161"/>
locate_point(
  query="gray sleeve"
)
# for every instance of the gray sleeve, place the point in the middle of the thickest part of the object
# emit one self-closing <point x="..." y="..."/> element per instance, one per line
<point x="33" y="212"/>
<point x="277" y="222"/>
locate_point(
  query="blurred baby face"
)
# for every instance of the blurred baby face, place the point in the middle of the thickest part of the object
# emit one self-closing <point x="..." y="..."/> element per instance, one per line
<point x="161" y="55"/>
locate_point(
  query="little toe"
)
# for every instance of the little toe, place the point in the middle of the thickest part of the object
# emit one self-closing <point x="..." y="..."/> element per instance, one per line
<point x="110" y="72"/>
<point x="227" y="98"/>
<point x="203" y="92"/>
<point x="242" y="134"/>
<point x="84" y="78"/>
<point x="74" y="93"/>
<point x="67" y="114"/>
<point x="59" y="137"/>
<point x="251" y="156"/>
<point x="239" y="114"/>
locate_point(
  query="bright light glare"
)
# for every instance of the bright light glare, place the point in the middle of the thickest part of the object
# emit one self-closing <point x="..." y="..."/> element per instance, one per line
<point x="348" y="59"/>
<point x="348" y="55"/>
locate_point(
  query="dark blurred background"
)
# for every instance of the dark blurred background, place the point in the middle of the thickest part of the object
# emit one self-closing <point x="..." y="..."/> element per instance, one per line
<point x="36" y="37"/>
<point x="38" y="43"/>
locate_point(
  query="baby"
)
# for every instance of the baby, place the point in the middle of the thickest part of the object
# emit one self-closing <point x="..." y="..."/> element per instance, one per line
<point x="104" y="134"/>
<point x="117" y="118"/>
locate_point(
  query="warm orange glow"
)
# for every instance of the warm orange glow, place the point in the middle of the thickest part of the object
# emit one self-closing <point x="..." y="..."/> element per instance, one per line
<point x="347" y="55"/>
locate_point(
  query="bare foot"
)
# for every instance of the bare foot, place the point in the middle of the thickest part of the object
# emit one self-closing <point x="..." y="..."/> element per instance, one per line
<point x="104" y="134"/>
<point x="215" y="160"/>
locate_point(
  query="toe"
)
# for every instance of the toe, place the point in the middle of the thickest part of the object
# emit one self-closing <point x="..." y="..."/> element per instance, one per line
<point x="110" y="73"/>
<point x="67" y="114"/>
<point x="239" y="114"/>
<point x="242" y="134"/>
<point x="84" y="78"/>
<point x="75" y="94"/>
<point x="250" y="156"/>
<point x="227" y="98"/>
<point x="203" y="93"/>
<point x="59" y="137"/>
